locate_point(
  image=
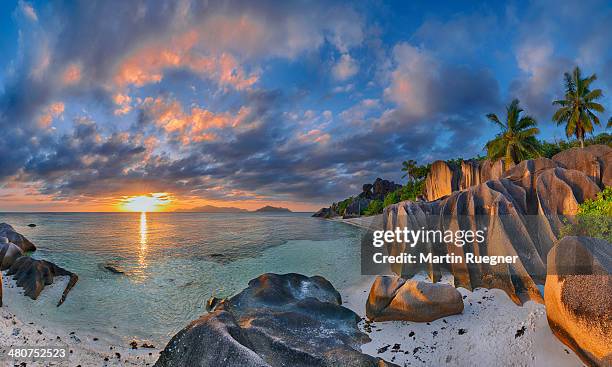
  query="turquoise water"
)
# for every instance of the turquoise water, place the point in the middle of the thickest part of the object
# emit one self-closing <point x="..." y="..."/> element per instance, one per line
<point x="172" y="263"/>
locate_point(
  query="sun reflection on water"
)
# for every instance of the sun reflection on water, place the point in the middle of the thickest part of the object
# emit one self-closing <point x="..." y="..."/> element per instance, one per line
<point x="143" y="241"/>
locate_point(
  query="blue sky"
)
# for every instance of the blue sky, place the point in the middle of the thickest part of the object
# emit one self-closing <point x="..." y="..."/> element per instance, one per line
<point x="243" y="103"/>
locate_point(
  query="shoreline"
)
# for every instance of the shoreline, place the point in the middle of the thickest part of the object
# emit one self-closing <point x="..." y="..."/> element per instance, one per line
<point x="83" y="349"/>
<point x="369" y="222"/>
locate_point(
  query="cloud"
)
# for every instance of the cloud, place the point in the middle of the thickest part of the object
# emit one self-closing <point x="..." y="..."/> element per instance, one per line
<point x="148" y="64"/>
<point x="345" y="68"/>
<point x="28" y="10"/>
<point x="422" y="85"/>
<point x="197" y="125"/>
<point x="54" y="110"/>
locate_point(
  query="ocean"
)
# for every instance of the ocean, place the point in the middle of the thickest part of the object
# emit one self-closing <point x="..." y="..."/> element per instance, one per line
<point x="171" y="263"/>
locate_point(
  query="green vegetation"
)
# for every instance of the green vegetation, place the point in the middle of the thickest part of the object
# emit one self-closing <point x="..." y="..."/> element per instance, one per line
<point x="343" y="204"/>
<point x="375" y="207"/>
<point x="516" y="141"/>
<point x="594" y="218"/>
<point x="577" y="108"/>
<point x="548" y="149"/>
<point x="413" y="171"/>
<point x="411" y="191"/>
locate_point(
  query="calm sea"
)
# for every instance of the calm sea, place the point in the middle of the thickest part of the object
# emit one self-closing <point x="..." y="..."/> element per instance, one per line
<point x="172" y="263"/>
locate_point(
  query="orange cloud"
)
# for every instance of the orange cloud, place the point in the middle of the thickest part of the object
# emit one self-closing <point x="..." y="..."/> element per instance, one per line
<point x="147" y="64"/>
<point x="192" y="126"/>
<point x="123" y="102"/>
<point x="72" y="74"/>
<point x="54" y="110"/>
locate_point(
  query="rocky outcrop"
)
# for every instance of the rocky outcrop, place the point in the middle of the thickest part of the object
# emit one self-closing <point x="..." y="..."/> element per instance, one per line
<point x="444" y="178"/>
<point x="374" y="191"/>
<point x="578" y="297"/>
<point x="393" y="298"/>
<point x="30" y="274"/>
<point x="470" y="174"/>
<point x="279" y="320"/>
<point x="582" y="160"/>
<point x="9" y="252"/>
<point x="441" y="180"/>
<point x="325" y="213"/>
<point x="33" y="275"/>
<point x="491" y="170"/>
<point x="604" y="156"/>
<point x="522" y="213"/>
<point x="6" y="230"/>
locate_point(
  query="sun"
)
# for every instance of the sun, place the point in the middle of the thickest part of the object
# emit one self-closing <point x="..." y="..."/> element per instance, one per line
<point x="153" y="202"/>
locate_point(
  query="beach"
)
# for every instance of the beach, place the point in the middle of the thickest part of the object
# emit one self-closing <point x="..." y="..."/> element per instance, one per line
<point x="515" y="335"/>
<point x="492" y="330"/>
<point x="83" y="349"/>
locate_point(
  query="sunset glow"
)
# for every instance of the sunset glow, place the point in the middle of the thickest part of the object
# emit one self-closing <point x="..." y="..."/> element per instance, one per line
<point x="154" y="202"/>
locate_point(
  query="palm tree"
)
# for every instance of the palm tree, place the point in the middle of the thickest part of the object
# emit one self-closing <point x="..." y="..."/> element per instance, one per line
<point x="516" y="141"/>
<point x="409" y="167"/>
<point x="577" y="107"/>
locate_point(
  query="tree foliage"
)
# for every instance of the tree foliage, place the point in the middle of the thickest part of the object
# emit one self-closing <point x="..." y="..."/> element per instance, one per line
<point x="577" y="108"/>
<point x="516" y="140"/>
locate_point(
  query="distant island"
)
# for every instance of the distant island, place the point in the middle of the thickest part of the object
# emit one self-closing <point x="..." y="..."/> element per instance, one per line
<point x="227" y="209"/>
<point x="212" y="209"/>
<point x="272" y="209"/>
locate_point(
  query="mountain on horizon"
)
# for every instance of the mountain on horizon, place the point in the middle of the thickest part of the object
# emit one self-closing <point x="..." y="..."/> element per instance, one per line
<point x="212" y="209"/>
<point x="272" y="209"/>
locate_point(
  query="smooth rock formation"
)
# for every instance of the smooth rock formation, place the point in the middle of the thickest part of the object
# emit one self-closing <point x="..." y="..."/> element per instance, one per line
<point x="578" y="295"/>
<point x="6" y="230"/>
<point x="582" y="160"/>
<point x="325" y="213"/>
<point x="33" y="275"/>
<point x="9" y="252"/>
<point x="441" y="180"/>
<point x="491" y="170"/>
<point x="393" y="298"/>
<point x="604" y="156"/>
<point x="279" y="320"/>
<point x="470" y="174"/>
<point x="522" y="213"/>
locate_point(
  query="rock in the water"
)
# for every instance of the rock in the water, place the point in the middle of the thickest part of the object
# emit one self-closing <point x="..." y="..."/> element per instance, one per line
<point x="113" y="268"/>
<point x="6" y="230"/>
<point x="31" y="225"/>
<point x="33" y="275"/>
<point x="392" y="298"/>
<point x="578" y="297"/>
<point x="9" y="253"/>
<point x="324" y="213"/>
<point x="279" y="320"/>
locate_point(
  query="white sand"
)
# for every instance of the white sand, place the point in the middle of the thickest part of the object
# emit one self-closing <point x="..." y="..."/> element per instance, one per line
<point x="485" y="334"/>
<point x="374" y="221"/>
<point x="85" y="350"/>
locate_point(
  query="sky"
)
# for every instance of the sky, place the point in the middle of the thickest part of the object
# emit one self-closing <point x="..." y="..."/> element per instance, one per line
<point x="249" y="103"/>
